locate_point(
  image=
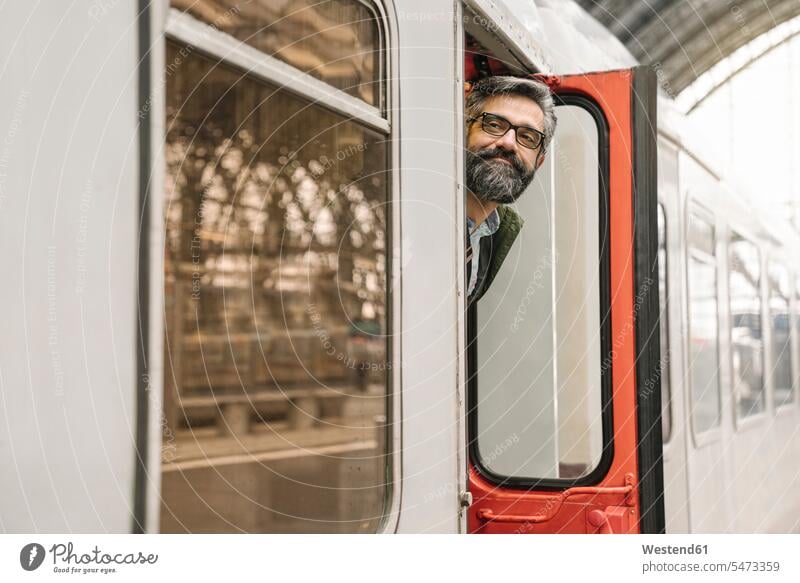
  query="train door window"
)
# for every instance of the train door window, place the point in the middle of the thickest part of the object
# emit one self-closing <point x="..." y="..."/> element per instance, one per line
<point x="780" y="367"/>
<point x="747" y="343"/>
<point x="663" y="294"/>
<point x="277" y="375"/>
<point x="703" y="325"/>
<point x="540" y="374"/>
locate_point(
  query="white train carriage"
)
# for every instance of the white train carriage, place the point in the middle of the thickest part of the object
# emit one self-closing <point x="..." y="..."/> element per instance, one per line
<point x="234" y="238"/>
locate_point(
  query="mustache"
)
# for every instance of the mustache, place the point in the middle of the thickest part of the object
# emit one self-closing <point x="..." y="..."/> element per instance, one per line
<point x="490" y="153"/>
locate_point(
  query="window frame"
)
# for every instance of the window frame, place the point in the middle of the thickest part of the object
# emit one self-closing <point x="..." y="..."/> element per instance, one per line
<point x="664" y="324"/>
<point x="696" y="209"/>
<point x="606" y="388"/>
<point x="206" y="40"/>
<point x="743" y="423"/>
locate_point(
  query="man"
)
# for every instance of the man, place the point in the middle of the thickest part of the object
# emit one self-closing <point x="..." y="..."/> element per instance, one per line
<point x="510" y="123"/>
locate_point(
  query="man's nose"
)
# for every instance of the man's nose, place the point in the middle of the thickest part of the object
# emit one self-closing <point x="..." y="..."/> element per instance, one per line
<point x="508" y="141"/>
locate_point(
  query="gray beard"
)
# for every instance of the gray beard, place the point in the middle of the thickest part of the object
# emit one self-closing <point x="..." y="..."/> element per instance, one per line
<point x="493" y="181"/>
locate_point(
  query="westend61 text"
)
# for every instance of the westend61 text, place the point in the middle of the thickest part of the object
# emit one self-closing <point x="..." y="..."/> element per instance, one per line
<point x="673" y="550"/>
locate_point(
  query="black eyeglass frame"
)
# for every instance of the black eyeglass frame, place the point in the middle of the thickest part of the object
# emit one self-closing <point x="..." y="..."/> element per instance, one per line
<point x="511" y="126"/>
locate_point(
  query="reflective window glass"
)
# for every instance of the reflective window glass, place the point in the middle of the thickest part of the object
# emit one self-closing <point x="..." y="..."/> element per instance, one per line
<point x="703" y="327"/>
<point x="336" y="41"/>
<point x="747" y="343"/>
<point x="701" y="234"/>
<point x="796" y="320"/>
<point x="780" y="335"/>
<point x="276" y="326"/>
<point x="539" y="357"/>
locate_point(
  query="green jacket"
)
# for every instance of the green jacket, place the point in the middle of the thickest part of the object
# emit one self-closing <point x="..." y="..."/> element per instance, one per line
<point x="494" y="251"/>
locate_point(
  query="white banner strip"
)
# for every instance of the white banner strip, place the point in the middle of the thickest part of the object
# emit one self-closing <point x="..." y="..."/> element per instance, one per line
<point x="408" y="558"/>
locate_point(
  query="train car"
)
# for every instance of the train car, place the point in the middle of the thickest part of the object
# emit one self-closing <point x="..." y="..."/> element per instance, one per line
<point x="234" y="236"/>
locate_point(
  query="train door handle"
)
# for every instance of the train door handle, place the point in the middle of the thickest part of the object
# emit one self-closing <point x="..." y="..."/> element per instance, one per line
<point x="599" y="520"/>
<point x="610" y="520"/>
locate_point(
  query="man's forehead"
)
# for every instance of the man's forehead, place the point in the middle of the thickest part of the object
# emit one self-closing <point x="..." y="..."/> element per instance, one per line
<point x="518" y="109"/>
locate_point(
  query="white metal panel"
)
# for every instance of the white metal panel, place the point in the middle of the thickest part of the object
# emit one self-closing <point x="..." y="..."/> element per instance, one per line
<point x="761" y="449"/>
<point x="676" y="492"/>
<point x="399" y="260"/>
<point x="517" y="23"/>
<point x="709" y="461"/>
<point x="575" y="42"/>
<point x="431" y="95"/>
<point x="776" y="491"/>
<point x="745" y="480"/>
<point x="68" y="218"/>
<point x="553" y="36"/>
<point x="155" y="364"/>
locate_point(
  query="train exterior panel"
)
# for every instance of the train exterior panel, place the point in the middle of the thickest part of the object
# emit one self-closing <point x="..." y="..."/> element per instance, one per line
<point x="235" y="298"/>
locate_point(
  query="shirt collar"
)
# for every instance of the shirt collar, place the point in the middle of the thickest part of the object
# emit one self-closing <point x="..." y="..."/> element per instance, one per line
<point x="493" y="222"/>
<point x="489" y="226"/>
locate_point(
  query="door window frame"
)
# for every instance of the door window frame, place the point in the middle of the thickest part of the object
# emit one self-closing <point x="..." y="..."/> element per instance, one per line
<point x="606" y="352"/>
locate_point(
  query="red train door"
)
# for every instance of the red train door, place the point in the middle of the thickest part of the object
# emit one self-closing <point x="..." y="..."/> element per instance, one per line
<point x="623" y="491"/>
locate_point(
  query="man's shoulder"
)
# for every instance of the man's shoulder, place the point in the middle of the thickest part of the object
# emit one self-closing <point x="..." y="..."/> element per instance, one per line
<point x="503" y="239"/>
<point x="510" y="220"/>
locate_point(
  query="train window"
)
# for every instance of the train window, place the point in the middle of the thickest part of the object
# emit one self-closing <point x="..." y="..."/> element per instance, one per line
<point x="276" y="325"/>
<point x="336" y="41"/>
<point x="539" y="372"/>
<point x="703" y="325"/>
<point x="663" y="294"/>
<point x="747" y="343"/>
<point x="702" y="236"/>
<point x="780" y="336"/>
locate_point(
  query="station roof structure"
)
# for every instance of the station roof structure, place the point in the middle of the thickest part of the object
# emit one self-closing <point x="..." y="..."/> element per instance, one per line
<point x="685" y="38"/>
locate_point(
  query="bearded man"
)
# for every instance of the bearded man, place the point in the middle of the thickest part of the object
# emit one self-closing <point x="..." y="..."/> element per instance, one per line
<point x="510" y="123"/>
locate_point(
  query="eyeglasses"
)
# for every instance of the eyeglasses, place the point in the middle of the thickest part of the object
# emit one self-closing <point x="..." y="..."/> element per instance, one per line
<point x="496" y="125"/>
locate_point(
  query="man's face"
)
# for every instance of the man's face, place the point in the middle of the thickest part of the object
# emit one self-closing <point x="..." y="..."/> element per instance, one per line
<point x="498" y="167"/>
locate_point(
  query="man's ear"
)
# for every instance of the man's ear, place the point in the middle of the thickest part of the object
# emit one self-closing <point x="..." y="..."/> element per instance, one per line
<point x="467" y="89"/>
<point x="539" y="159"/>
